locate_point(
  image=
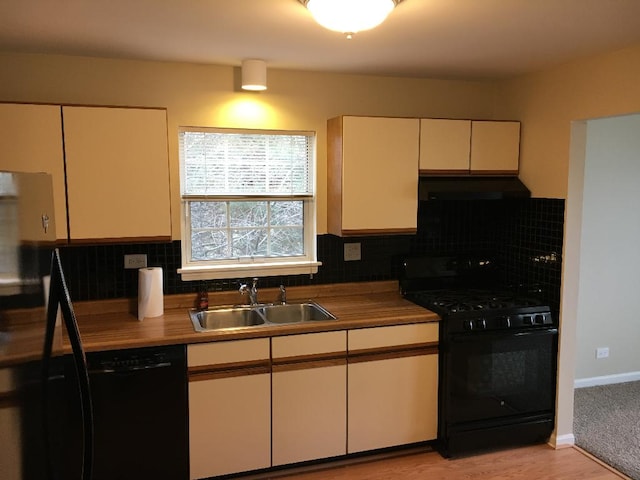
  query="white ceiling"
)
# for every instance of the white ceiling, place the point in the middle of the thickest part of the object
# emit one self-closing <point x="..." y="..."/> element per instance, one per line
<point x="421" y="38"/>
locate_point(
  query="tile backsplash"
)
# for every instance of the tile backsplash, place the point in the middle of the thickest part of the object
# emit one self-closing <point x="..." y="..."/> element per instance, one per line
<point x="525" y="236"/>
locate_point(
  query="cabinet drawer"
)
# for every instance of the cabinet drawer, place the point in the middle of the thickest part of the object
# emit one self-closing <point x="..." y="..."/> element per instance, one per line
<point x="309" y="344"/>
<point x="397" y="335"/>
<point x="236" y="351"/>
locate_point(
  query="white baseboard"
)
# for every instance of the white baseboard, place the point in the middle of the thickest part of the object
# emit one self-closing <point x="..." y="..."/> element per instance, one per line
<point x="606" y="380"/>
<point x="562" y="441"/>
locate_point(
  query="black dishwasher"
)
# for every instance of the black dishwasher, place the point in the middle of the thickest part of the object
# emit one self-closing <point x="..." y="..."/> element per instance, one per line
<point x="140" y="413"/>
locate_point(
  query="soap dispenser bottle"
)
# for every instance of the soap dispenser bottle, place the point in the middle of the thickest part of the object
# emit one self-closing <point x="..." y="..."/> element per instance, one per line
<point x="203" y="297"/>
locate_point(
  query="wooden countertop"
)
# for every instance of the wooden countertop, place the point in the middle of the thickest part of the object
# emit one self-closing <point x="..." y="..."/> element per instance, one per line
<point x="113" y="324"/>
<point x="22" y="335"/>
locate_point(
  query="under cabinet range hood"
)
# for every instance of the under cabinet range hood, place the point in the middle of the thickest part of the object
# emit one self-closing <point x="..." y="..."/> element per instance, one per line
<point x="471" y="188"/>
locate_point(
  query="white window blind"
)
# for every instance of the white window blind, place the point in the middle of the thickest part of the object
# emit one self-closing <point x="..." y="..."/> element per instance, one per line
<point x="222" y="164"/>
<point x="248" y="202"/>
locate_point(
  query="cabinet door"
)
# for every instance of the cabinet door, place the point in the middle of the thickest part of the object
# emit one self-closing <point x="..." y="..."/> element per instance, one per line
<point x="117" y="174"/>
<point x="31" y="141"/>
<point x="229" y="407"/>
<point x="495" y="148"/>
<point x="309" y="413"/>
<point x="309" y="398"/>
<point x="229" y="425"/>
<point x="373" y="175"/>
<point x="392" y="402"/>
<point x="393" y="386"/>
<point x="444" y="146"/>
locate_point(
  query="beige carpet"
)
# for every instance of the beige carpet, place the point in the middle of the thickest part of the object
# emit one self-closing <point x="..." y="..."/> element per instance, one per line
<point x="607" y="424"/>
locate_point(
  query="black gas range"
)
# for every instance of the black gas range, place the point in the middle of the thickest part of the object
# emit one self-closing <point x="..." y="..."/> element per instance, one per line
<point x="497" y="360"/>
<point x="477" y="310"/>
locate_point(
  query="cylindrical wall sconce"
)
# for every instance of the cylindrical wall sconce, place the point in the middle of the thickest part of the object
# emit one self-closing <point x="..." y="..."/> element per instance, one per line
<point x="254" y="75"/>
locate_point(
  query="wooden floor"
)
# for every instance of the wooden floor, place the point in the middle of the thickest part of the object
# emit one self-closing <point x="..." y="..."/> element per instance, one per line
<point x="539" y="462"/>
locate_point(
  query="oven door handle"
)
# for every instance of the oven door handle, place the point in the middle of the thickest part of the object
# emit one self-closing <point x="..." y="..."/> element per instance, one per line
<point x="473" y="337"/>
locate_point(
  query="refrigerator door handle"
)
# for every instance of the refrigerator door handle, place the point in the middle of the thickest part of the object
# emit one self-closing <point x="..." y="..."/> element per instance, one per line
<point x="59" y="296"/>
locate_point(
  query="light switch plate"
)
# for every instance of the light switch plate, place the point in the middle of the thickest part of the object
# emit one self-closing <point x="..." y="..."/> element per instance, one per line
<point x="135" y="261"/>
<point x="352" y="252"/>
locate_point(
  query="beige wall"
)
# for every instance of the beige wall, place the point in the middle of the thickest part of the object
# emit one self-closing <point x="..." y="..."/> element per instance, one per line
<point x="547" y="102"/>
<point x="550" y="105"/>
<point x="207" y="95"/>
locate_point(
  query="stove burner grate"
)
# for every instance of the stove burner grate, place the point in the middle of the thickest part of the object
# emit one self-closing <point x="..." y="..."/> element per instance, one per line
<point x="452" y="301"/>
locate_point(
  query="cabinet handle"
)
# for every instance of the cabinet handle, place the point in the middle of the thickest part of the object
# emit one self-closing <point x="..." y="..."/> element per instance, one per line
<point x="386" y="353"/>
<point x="239" y="369"/>
<point x="138" y="368"/>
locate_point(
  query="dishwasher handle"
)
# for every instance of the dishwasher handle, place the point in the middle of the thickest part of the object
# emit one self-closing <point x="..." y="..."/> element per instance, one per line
<point x="128" y="369"/>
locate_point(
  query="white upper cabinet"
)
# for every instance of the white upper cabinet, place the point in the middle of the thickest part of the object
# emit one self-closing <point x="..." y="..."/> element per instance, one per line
<point x="31" y="141"/>
<point x="461" y="147"/>
<point x="372" y="175"/>
<point x="116" y="186"/>
<point x="444" y="146"/>
<point x="495" y="148"/>
<point x="117" y="174"/>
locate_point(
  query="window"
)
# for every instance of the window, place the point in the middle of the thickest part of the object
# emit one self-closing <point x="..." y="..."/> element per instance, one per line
<point x="247" y="203"/>
<point x="9" y="242"/>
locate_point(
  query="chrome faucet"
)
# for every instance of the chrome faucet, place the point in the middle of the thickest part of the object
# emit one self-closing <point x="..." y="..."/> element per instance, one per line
<point x="282" y="296"/>
<point x="253" y="291"/>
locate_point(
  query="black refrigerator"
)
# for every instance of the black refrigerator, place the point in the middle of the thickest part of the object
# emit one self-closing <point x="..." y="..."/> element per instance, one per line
<point x="36" y="313"/>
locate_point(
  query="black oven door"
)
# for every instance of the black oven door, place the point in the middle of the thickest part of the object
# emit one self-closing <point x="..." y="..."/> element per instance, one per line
<point x="497" y="375"/>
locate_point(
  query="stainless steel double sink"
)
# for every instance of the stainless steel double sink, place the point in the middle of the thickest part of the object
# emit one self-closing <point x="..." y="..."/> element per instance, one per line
<point x="245" y="316"/>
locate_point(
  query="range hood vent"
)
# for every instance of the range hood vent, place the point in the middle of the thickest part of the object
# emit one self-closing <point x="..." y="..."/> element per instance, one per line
<point x="471" y="188"/>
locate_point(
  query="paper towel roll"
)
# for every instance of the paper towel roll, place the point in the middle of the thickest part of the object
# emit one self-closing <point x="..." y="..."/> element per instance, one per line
<point x="150" y="292"/>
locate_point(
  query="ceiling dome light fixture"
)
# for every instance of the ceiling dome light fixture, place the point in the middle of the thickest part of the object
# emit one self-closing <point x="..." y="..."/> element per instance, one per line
<point x="350" y="16"/>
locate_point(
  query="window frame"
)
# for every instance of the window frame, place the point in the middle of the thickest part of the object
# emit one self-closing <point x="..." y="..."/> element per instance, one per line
<point x="250" y="266"/>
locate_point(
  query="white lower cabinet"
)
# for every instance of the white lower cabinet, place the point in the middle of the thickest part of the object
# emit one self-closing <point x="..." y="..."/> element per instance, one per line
<point x="393" y="386"/>
<point x="229" y="407"/>
<point x="309" y="400"/>
<point x="265" y="402"/>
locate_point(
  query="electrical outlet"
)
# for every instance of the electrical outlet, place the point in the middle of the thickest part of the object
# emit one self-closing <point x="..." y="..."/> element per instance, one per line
<point x="352" y="252"/>
<point x="135" y="261"/>
<point x="602" y="352"/>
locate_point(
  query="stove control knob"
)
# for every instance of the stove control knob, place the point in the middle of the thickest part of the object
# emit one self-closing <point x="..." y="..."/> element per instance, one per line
<point x="468" y="325"/>
<point x="505" y="322"/>
<point x="539" y="319"/>
<point x="481" y="324"/>
<point x="527" y="320"/>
